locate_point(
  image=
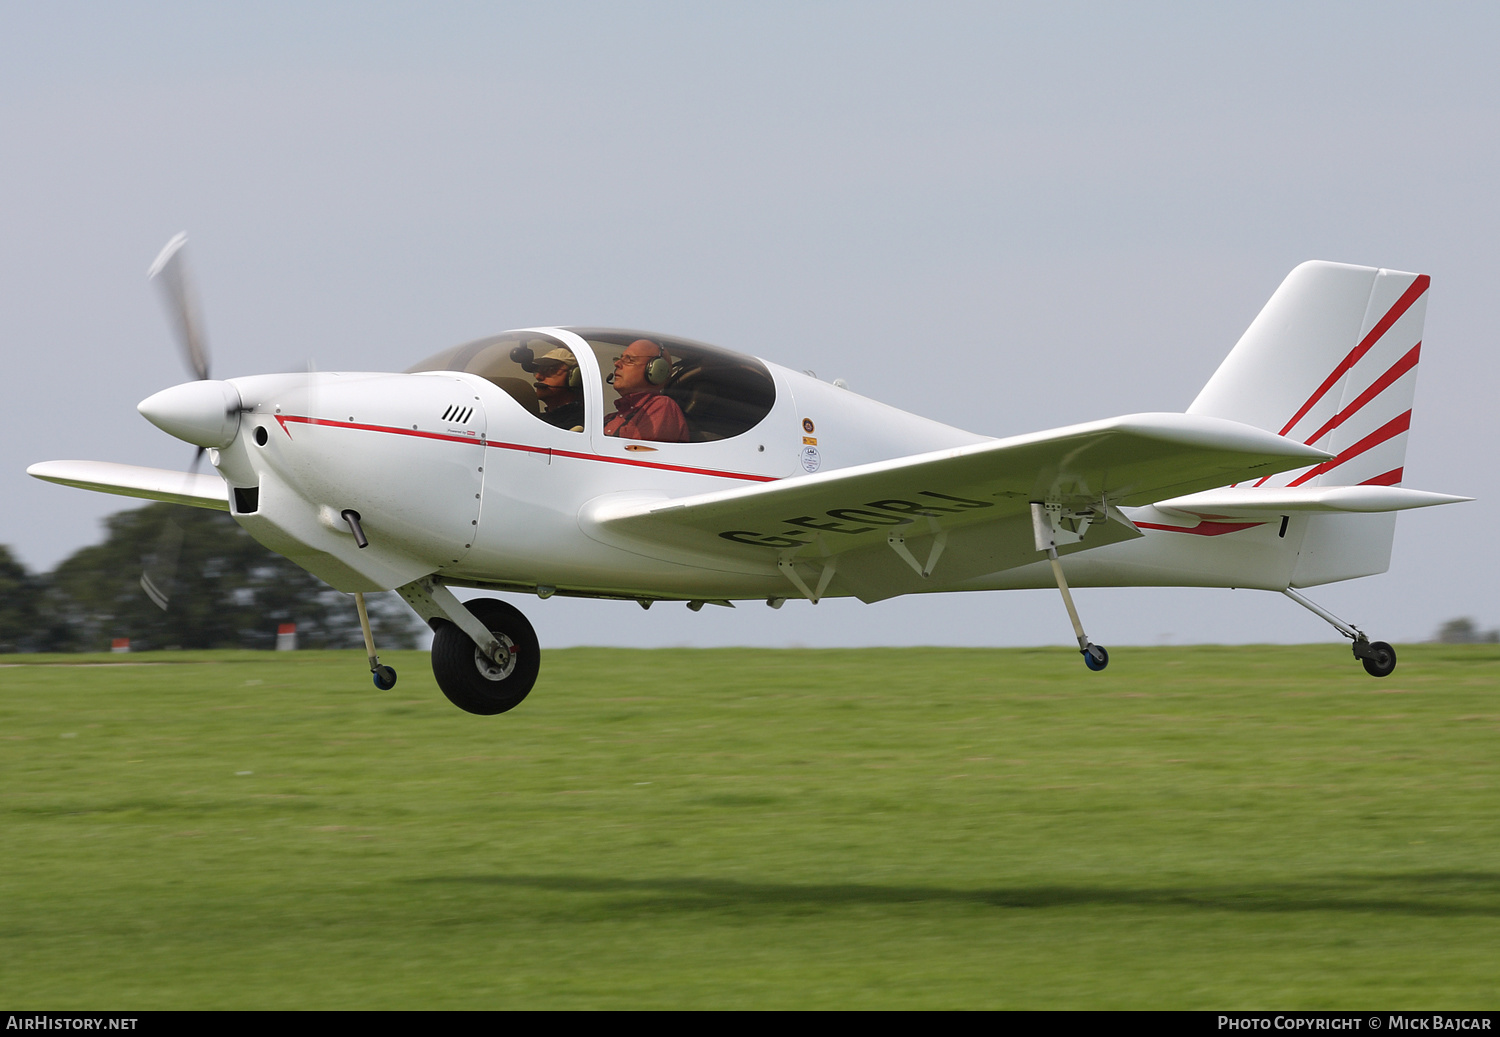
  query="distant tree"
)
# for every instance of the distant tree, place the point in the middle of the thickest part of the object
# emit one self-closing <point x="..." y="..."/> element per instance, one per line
<point x="227" y="592"/>
<point x="20" y="605"/>
<point x="1464" y="631"/>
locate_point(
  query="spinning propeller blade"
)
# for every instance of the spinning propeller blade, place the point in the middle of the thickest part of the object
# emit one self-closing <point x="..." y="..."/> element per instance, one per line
<point x="170" y="271"/>
<point x="159" y="571"/>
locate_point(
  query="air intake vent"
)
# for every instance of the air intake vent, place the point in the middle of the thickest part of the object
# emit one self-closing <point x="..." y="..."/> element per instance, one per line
<point x="458" y="413"/>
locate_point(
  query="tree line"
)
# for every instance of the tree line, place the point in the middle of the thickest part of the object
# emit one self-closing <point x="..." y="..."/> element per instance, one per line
<point x="227" y="591"/>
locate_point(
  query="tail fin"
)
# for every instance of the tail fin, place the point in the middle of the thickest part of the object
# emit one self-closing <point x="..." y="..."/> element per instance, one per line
<point x="1331" y="361"/>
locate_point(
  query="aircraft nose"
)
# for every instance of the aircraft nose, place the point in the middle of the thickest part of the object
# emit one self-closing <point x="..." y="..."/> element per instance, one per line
<point x="204" y="413"/>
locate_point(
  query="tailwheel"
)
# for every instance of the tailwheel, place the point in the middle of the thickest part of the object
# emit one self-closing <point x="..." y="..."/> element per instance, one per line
<point x="1379" y="658"/>
<point x="1095" y="657"/>
<point x="472" y="680"/>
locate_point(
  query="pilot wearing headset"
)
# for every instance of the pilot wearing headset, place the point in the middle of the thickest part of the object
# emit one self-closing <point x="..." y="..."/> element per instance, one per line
<point x="642" y="412"/>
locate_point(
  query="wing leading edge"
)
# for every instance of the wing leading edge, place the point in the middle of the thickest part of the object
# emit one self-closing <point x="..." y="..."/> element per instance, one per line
<point x="923" y="522"/>
<point x="193" y="489"/>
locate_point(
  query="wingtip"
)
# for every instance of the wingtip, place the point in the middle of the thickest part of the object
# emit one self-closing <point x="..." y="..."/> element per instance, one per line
<point x="43" y="469"/>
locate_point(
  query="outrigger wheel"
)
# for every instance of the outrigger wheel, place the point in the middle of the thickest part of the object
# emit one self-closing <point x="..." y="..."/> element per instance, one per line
<point x="1094" y="656"/>
<point x="472" y="680"/>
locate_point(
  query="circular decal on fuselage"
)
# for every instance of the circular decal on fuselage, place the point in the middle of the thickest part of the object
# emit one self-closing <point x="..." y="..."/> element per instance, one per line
<point x="810" y="458"/>
<point x="807" y="426"/>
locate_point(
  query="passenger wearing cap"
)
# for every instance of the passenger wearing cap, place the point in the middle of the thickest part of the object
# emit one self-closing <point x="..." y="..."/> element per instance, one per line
<point x="558" y="386"/>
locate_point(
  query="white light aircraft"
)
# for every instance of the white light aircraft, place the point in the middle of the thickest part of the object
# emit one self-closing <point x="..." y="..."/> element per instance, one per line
<point x="620" y="464"/>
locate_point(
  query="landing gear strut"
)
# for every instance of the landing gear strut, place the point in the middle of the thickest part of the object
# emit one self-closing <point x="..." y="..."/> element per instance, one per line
<point x="1378" y="658"/>
<point x="1044" y="529"/>
<point x="385" y="676"/>
<point x="484" y="653"/>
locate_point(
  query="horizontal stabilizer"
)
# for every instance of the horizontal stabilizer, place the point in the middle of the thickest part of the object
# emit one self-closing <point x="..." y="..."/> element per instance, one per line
<point x="1272" y="500"/>
<point x="128" y="480"/>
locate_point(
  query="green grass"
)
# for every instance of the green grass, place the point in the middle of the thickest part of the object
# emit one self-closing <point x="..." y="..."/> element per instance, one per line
<point x="1195" y="828"/>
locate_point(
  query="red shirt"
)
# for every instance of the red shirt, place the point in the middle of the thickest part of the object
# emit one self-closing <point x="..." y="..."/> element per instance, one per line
<point x="647" y="415"/>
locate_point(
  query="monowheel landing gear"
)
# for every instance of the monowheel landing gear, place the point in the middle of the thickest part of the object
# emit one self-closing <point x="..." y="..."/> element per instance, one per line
<point x="472" y="680"/>
<point x="1378" y="658"/>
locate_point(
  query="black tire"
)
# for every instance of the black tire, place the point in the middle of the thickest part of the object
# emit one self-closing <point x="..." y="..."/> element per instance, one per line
<point x="1381" y="661"/>
<point x="474" y="683"/>
<point x="385" y="677"/>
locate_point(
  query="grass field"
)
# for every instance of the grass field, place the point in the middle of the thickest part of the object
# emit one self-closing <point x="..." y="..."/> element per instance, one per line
<point x="1195" y="828"/>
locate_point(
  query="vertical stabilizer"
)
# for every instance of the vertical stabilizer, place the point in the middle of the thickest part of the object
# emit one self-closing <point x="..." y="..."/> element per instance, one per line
<point x="1331" y="361"/>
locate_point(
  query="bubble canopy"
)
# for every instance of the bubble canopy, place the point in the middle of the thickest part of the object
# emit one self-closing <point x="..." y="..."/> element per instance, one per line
<point x="722" y="394"/>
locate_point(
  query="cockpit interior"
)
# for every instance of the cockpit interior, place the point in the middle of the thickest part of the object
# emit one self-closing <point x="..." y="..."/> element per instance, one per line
<point x="720" y="394"/>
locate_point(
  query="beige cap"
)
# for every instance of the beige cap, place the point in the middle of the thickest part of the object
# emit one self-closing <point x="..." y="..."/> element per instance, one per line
<point x="561" y="353"/>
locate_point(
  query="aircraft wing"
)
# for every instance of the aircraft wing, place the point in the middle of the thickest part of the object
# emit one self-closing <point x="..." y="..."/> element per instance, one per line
<point x="192" y="488"/>
<point x="934" y="519"/>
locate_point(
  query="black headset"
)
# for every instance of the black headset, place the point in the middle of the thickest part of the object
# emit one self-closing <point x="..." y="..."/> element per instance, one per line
<point x="523" y="355"/>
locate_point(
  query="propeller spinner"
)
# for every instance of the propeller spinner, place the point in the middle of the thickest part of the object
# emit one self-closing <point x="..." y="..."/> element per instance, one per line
<point x="206" y="413"/>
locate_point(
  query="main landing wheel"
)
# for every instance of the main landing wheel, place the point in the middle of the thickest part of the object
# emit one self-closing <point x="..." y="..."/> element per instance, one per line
<point x="1381" y="659"/>
<point x="1095" y="657"/>
<point x="476" y="683"/>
